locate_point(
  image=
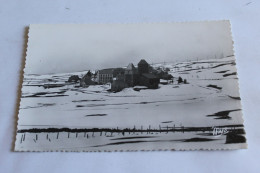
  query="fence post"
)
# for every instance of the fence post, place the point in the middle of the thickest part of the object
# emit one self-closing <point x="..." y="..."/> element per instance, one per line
<point x="21" y="139"/>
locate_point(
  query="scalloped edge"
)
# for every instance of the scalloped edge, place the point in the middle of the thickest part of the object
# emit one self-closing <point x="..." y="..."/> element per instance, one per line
<point x="22" y="73"/>
<point x="242" y="145"/>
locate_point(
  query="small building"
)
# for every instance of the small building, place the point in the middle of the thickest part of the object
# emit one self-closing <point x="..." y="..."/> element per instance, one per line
<point x="86" y="80"/>
<point x="74" y="78"/>
<point x="118" y="83"/>
<point x="131" y="75"/>
<point x="149" y="80"/>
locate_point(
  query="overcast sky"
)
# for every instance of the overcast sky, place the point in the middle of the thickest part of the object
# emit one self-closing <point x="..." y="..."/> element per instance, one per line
<point x="73" y="47"/>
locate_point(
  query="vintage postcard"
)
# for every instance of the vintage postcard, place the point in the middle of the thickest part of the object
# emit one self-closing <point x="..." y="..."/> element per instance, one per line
<point x="130" y="87"/>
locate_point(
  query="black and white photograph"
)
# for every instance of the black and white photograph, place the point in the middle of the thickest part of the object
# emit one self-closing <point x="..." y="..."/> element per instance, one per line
<point x="130" y="87"/>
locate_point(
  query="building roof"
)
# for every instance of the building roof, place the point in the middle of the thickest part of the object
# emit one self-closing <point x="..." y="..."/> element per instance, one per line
<point x="149" y="75"/>
<point x="106" y="71"/>
<point x="89" y="73"/>
<point x="142" y="62"/>
<point x="118" y="71"/>
<point x="130" y="67"/>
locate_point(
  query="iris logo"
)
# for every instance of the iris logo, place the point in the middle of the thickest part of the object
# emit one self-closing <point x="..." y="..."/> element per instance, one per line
<point x="219" y="131"/>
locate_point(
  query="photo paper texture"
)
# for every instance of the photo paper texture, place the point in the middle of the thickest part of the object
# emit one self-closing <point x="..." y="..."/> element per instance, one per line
<point x="130" y="87"/>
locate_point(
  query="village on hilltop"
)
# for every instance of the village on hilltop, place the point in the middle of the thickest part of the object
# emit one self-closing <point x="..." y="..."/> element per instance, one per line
<point x="120" y="78"/>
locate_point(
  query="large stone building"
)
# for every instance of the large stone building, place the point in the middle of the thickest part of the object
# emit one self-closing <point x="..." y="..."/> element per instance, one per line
<point x="128" y="77"/>
<point x="145" y="78"/>
<point x="143" y="67"/>
<point x="105" y="76"/>
<point x="131" y="75"/>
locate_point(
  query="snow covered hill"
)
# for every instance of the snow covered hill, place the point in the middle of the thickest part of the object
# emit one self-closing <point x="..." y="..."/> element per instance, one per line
<point x="209" y="98"/>
<point x="212" y="87"/>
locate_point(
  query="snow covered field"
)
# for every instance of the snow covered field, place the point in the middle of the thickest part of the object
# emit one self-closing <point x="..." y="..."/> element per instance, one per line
<point x="210" y="98"/>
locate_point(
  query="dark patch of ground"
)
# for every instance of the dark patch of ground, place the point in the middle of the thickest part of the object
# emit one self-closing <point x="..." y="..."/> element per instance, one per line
<point x="87" y="100"/>
<point x="43" y="94"/>
<point x="229" y="74"/>
<point x="62" y="95"/>
<point x="224" y="71"/>
<point x="214" y="86"/>
<point x="95" y="115"/>
<point x="139" y="89"/>
<point x="232" y="63"/>
<point x="235" y="138"/>
<point x="223" y="114"/>
<point x="46" y="104"/>
<point x="236" y="98"/>
<point x="53" y="85"/>
<point x="40" y="105"/>
<point x="167" y="122"/>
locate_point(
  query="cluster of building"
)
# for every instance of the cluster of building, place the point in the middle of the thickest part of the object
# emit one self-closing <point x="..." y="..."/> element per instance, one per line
<point x="120" y="78"/>
<point x="129" y="77"/>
